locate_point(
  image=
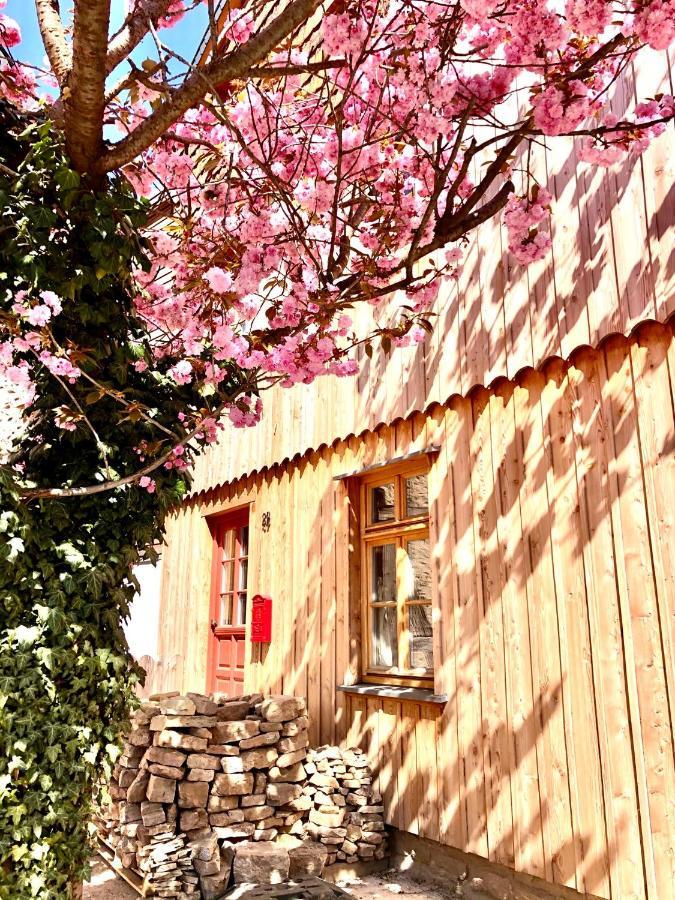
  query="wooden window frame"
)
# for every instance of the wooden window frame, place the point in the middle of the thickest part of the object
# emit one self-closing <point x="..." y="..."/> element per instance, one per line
<point x="398" y="531"/>
<point x="229" y="522"/>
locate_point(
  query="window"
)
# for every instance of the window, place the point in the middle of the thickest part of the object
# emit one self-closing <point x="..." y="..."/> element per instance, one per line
<point x="396" y="576"/>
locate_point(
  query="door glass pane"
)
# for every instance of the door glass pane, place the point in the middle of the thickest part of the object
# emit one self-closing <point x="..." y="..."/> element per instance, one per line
<point x="241" y="612"/>
<point x="382" y="503"/>
<point x="383" y="573"/>
<point x="383" y="639"/>
<point x="227" y="576"/>
<point x="421" y="633"/>
<point x="225" y="617"/>
<point x="418" y="570"/>
<point x="416" y="496"/>
<point x="243" y="574"/>
<point x="228" y="544"/>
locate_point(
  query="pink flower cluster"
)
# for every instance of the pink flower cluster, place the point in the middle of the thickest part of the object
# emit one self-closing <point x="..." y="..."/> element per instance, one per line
<point x="655" y="22"/>
<point x="588" y="17"/>
<point x="558" y="111"/>
<point x="28" y="346"/>
<point x="30" y="343"/>
<point x="148" y="483"/>
<point x="240" y="25"/>
<point x="257" y="276"/>
<point x="343" y="34"/>
<point x="522" y="217"/>
<point x="611" y="146"/>
<point x="245" y="412"/>
<point x="10" y="33"/>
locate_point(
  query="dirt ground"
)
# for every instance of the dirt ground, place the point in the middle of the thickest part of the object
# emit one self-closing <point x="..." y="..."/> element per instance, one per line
<point x="394" y="884"/>
<point x="104" y="885"/>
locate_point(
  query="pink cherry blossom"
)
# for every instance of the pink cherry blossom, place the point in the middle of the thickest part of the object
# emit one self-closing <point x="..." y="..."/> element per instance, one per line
<point x="64" y="421"/>
<point x="10" y="33"/>
<point x="522" y="216"/>
<point x="174" y="13"/>
<point x="181" y="372"/>
<point x="246" y="412"/>
<point x="588" y="16"/>
<point x="52" y="301"/>
<point x="557" y="111"/>
<point x="655" y="23"/>
<point x="218" y="280"/>
<point x="39" y="315"/>
<point x="242" y="26"/>
<point x="60" y="366"/>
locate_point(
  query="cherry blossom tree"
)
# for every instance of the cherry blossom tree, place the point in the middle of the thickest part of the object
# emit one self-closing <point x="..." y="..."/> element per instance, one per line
<point x="317" y="156"/>
<point x="180" y="234"/>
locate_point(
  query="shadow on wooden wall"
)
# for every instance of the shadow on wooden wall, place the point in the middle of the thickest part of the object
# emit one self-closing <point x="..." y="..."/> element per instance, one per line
<point x="553" y="511"/>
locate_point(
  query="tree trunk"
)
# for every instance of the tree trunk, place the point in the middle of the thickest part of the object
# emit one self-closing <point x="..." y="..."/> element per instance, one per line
<point x="85" y="102"/>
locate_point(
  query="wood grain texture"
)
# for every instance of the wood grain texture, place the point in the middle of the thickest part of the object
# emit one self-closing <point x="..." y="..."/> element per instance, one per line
<point x="552" y="524"/>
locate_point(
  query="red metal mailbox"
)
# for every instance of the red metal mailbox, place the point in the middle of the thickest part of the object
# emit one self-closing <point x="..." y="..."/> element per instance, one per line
<point x="261" y="619"/>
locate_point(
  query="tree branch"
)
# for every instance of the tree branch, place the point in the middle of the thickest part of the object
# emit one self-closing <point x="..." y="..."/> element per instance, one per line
<point x="84" y="105"/>
<point x="134" y="30"/>
<point x="449" y="218"/>
<point x="200" y="81"/>
<point x="54" y="38"/>
<point x="281" y="71"/>
<point x="101" y="487"/>
<point x="462" y="226"/>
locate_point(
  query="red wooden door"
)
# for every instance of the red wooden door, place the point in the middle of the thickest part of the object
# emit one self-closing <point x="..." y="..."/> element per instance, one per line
<point x="227" y="638"/>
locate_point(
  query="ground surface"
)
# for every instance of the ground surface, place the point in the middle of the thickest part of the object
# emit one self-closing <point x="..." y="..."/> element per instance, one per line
<point x="104" y="885"/>
<point x="394" y="884"/>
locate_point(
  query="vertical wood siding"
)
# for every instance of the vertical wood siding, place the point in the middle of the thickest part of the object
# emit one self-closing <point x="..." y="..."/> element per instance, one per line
<point x="553" y="529"/>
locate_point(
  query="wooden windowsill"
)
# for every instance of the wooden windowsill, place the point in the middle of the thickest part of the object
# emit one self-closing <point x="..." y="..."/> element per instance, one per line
<point x="395" y="692"/>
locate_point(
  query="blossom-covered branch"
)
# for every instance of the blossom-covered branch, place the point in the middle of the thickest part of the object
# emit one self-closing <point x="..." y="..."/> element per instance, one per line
<point x="199" y="82"/>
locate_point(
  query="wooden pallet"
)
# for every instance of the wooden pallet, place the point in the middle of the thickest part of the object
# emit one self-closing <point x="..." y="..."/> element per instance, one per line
<point x="133" y="878"/>
<point x="305" y="888"/>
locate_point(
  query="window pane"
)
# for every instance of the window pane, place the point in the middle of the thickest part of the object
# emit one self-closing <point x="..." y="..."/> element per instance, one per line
<point x="418" y="570"/>
<point x="384" y="640"/>
<point x="241" y="620"/>
<point x="383" y="573"/>
<point x="416" y="496"/>
<point x="227" y="576"/>
<point x="382" y="503"/>
<point x="243" y="541"/>
<point x="243" y="574"/>
<point x="228" y="544"/>
<point x="225" y="617"/>
<point x="421" y="650"/>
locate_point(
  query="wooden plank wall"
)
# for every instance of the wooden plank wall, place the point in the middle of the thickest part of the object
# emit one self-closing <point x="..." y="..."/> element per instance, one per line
<point x="553" y="525"/>
<point x="612" y="265"/>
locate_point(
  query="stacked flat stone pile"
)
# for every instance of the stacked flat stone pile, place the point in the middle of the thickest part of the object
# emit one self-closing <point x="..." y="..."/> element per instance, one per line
<point x="210" y="787"/>
<point x="347" y="814"/>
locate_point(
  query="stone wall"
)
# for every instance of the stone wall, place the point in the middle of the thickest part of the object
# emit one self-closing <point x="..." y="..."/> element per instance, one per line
<point x="210" y="790"/>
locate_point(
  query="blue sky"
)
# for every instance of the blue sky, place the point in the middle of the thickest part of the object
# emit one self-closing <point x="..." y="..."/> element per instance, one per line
<point x="184" y="38"/>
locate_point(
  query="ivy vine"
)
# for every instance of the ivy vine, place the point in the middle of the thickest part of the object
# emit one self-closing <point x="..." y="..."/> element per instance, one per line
<point x="67" y="678"/>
